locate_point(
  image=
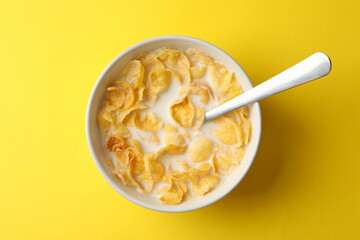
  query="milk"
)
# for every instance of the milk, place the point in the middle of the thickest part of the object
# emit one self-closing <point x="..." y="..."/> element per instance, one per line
<point x="162" y="109"/>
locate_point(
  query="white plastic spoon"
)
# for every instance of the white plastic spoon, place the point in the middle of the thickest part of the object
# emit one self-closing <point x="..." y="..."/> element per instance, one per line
<point x="313" y="67"/>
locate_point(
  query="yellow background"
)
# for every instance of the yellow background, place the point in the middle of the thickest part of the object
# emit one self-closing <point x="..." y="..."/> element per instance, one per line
<point x="304" y="183"/>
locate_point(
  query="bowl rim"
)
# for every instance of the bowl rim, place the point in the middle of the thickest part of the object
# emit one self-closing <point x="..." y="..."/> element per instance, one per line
<point x="97" y="161"/>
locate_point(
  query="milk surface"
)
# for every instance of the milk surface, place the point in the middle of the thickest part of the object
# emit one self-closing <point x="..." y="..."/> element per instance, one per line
<point x="162" y="109"/>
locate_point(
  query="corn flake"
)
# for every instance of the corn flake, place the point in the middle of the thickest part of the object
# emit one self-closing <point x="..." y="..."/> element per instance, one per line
<point x="127" y="117"/>
<point x="197" y="57"/>
<point x="120" y="96"/>
<point x="228" y="131"/>
<point x="199" y="118"/>
<point x="183" y="112"/>
<point x="115" y="142"/>
<point x="133" y="73"/>
<point x="150" y="61"/>
<point x="203" y="85"/>
<point x="124" y="177"/>
<point x="224" y="82"/>
<point x="115" y="98"/>
<point x="173" y="196"/>
<point x="147" y="121"/>
<point x="201" y="150"/>
<point x="124" y="156"/>
<point x="176" y="175"/>
<point x="223" y="162"/>
<point x="105" y="119"/>
<point x="185" y="134"/>
<point x="198" y="72"/>
<point x="203" y="168"/>
<point x="153" y="168"/>
<point x="172" y="149"/>
<point x="159" y="81"/>
<point x="154" y="138"/>
<point x="135" y="146"/>
<point x="139" y="94"/>
<point x="122" y="131"/>
<point x="177" y="61"/>
<point x="206" y="184"/>
<point x="172" y="137"/>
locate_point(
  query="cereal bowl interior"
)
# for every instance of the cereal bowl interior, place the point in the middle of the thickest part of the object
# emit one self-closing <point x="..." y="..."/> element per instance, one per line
<point x="96" y="142"/>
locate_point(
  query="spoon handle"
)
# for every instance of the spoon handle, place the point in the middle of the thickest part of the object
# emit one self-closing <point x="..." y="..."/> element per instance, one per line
<point x="313" y="67"/>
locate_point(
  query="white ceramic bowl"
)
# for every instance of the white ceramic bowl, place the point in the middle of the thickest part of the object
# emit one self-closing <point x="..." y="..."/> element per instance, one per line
<point x="96" y="143"/>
